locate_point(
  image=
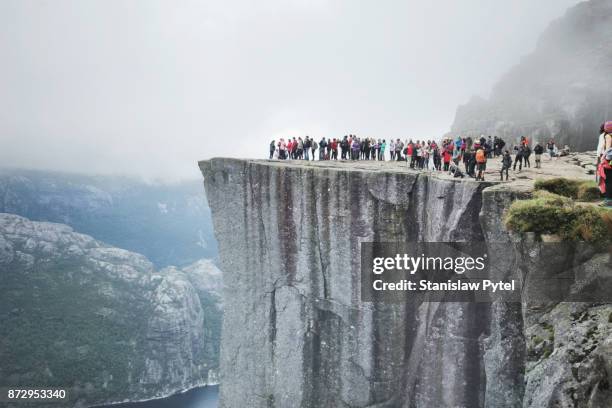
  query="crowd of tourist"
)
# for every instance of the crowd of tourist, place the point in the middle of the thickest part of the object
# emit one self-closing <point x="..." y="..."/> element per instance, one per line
<point x="447" y="155"/>
<point x="458" y="156"/>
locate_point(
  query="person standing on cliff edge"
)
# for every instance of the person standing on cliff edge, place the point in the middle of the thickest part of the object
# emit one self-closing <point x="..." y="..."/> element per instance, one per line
<point x="481" y="160"/>
<point x="506" y="164"/>
<point x="272" y="149"/>
<point x="604" y="168"/>
<point x="538" y="150"/>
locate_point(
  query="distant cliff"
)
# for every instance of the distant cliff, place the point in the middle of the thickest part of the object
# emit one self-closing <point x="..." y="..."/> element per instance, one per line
<point x="562" y="90"/>
<point x="168" y="223"/>
<point x="297" y="334"/>
<point x="99" y="321"/>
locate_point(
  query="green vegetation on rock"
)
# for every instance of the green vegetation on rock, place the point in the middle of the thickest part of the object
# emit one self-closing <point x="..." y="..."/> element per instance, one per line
<point x="548" y="213"/>
<point x="582" y="190"/>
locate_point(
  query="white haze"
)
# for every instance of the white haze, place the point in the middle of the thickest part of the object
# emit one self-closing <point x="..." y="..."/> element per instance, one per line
<point x="148" y="87"/>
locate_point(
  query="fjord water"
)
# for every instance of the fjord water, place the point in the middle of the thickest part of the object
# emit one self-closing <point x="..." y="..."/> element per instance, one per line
<point x="201" y="397"/>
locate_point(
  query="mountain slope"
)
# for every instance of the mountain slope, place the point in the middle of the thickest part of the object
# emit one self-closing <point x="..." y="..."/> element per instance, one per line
<point x="97" y="320"/>
<point x="562" y="90"/>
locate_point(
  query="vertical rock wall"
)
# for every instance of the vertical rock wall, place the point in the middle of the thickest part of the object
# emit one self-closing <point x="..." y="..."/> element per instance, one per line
<point x="296" y="333"/>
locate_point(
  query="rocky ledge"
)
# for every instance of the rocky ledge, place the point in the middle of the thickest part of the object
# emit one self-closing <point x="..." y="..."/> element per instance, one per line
<point x="297" y="334"/>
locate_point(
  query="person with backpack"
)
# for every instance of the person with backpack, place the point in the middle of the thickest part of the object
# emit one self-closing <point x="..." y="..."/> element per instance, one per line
<point x="344" y="147"/>
<point x="526" y="154"/>
<point x="355" y="149"/>
<point x="272" y="149"/>
<point x="467" y="157"/>
<point x="399" y="145"/>
<point x="282" y="149"/>
<point x="506" y="164"/>
<point x="294" y="148"/>
<point x="322" y="148"/>
<point x="604" y="167"/>
<point x="299" y="151"/>
<point x="315" y="146"/>
<point x="471" y="165"/>
<point x="538" y="150"/>
<point x="518" y="159"/>
<point x="307" y="146"/>
<point x="481" y="162"/>
<point x="437" y="160"/>
<point x="550" y="146"/>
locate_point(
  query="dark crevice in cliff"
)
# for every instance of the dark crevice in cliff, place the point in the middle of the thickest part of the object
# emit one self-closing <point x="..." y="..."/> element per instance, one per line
<point x="272" y="326"/>
<point x="320" y="239"/>
<point x="321" y="355"/>
<point x="287" y="230"/>
<point x="257" y="198"/>
<point x="471" y="224"/>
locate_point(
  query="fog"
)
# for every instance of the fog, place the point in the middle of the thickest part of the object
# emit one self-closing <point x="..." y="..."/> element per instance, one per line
<point x="149" y="87"/>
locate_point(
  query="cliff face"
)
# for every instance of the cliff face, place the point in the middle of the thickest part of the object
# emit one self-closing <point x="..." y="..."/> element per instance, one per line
<point x="562" y="90"/>
<point x="295" y="331"/>
<point x="99" y="321"/>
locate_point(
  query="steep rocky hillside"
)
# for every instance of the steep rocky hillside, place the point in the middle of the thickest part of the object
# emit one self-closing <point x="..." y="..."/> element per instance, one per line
<point x="563" y="89"/>
<point x="101" y="321"/>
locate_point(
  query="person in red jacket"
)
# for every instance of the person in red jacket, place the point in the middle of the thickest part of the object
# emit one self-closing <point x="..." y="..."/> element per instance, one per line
<point x="334" y="149"/>
<point x="446" y="157"/>
<point x="409" y="150"/>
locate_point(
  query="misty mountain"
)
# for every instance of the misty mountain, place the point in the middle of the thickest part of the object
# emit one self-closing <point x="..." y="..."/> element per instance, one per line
<point x="562" y="90"/>
<point x="168" y="223"/>
<point x="99" y="321"/>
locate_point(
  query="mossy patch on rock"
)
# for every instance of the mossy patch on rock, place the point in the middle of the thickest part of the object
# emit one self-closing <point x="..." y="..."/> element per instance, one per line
<point x="582" y="190"/>
<point x="548" y="213"/>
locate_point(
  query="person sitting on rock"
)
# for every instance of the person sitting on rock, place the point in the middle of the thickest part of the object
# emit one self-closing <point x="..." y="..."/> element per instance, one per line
<point x="565" y="151"/>
<point x="506" y="164"/>
<point x="455" y="170"/>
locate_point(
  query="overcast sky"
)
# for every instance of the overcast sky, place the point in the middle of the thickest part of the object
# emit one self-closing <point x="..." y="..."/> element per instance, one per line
<point x="149" y="87"/>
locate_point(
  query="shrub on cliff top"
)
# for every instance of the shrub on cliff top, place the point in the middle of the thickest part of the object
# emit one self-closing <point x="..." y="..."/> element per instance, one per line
<point x="588" y="191"/>
<point x="548" y="213"/>
<point x="577" y="189"/>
